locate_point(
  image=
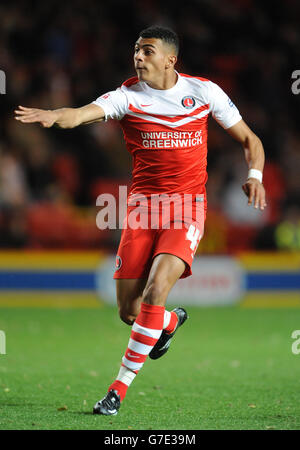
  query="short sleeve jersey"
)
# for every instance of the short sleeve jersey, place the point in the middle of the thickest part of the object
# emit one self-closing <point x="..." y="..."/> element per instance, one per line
<point x="166" y="131"/>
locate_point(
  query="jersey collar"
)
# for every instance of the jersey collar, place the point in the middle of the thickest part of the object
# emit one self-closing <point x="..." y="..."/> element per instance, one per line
<point x="164" y="91"/>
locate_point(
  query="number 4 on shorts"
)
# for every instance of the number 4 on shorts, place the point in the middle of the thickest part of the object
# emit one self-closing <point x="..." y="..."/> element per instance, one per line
<point x="193" y="235"/>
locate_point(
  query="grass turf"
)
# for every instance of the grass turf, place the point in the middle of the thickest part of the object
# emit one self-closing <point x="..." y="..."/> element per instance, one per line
<point x="228" y="368"/>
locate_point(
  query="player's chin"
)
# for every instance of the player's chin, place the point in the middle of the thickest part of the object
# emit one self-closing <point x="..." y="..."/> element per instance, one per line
<point x="141" y="74"/>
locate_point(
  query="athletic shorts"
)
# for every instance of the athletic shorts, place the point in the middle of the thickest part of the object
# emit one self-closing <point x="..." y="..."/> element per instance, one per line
<point x="161" y="231"/>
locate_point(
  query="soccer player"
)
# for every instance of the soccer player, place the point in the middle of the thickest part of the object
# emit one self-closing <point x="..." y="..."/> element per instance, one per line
<point x="164" y="117"/>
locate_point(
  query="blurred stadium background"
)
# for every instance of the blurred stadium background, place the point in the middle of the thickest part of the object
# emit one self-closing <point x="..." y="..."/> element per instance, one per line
<point x="54" y="55"/>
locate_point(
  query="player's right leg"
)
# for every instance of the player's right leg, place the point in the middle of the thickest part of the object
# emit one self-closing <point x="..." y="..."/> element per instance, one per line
<point x="146" y="330"/>
<point x="129" y="297"/>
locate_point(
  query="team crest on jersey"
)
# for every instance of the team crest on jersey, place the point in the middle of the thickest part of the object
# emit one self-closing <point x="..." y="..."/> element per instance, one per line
<point x="188" y="102"/>
<point x="118" y="262"/>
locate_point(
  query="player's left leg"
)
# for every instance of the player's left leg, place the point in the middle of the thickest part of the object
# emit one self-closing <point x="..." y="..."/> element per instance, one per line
<point x="129" y="298"/>
<point x="166" y="269"/>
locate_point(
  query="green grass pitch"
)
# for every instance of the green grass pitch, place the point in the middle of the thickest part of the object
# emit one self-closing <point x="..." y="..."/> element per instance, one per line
<point x="227" y="368"/>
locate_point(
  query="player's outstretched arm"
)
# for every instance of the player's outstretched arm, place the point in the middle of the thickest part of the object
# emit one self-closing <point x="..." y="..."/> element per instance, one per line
<point x="255" y="157"/>
<point x="62" y="118"/>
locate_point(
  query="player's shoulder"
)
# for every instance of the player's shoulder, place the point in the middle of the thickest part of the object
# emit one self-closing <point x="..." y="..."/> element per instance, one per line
<point x="132" y="83"/>
<point x="194" y="78"/>
<point x="197" y="86"/>
<point x="208" y="88"/>
<point x="196" y="83"/>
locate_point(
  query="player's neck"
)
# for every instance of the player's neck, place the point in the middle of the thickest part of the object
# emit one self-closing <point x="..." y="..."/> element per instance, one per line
<point x="167" y="81"/>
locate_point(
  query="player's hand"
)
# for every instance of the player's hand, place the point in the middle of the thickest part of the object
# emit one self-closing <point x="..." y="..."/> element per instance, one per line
<point x="255" y="192"/>
<point x="31" y="115"/>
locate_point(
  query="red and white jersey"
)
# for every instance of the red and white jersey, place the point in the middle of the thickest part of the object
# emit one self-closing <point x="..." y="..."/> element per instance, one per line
<point x="166" y="131"/>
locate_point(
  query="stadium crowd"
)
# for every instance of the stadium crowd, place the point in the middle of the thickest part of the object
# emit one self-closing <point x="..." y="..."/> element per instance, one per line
<point x="57" y="54"/>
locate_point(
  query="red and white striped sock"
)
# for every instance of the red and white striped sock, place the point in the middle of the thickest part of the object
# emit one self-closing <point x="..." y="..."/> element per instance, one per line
<point x="145" y="332"/>
<point x="170" y="321"/>
<point x="123" y="381"/>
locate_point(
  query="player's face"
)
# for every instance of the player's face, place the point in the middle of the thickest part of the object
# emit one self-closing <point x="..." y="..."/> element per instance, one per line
<point x="151" y="58"/>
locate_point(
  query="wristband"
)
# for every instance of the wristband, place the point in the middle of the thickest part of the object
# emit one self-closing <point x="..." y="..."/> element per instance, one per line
<point x="254" y="173"/>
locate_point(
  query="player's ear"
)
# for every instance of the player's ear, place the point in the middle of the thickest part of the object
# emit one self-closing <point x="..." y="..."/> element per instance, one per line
<point x="171" y="61"/>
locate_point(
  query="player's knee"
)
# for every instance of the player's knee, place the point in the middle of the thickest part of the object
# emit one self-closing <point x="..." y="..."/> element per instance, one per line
<point x="154" y="293"/>
<point x="126" y="317"/>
